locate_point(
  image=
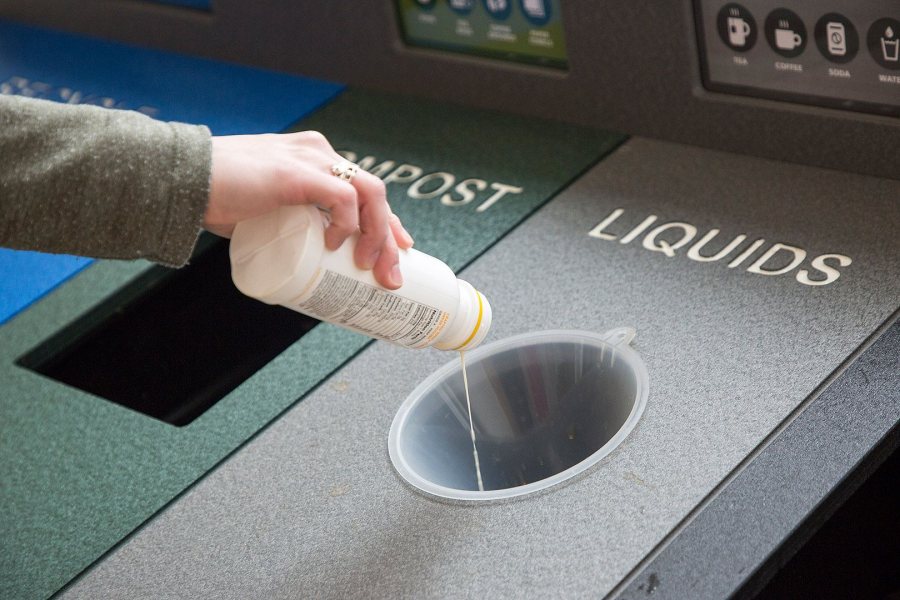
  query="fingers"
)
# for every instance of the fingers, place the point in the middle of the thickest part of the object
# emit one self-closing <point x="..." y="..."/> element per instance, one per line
<point x="360" y="204"/>
<point x="387" y="267"/>
<point x="373" y="220"/>
<point x="341" y="199"/>
<point x="401" y="236"/>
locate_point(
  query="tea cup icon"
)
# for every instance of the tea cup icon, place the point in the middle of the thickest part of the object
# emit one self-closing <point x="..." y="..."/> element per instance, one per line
<point x="738" y="31"/>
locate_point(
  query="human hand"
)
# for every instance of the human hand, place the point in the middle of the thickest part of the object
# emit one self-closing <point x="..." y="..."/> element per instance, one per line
<point x="255" y="174"/>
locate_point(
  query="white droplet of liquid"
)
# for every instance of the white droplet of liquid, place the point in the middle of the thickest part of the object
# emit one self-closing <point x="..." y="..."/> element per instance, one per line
<point x="462" y="358"/>
<point x="889" y="32"/>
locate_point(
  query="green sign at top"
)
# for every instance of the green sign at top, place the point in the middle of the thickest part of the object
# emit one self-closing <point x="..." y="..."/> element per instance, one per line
<point x="529" y="31"/>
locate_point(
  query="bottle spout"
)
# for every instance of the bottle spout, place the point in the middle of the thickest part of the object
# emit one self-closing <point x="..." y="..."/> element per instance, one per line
<point x="482" y="323"/>
<point x="472" y="322"/>
<point x="620" y="336"/>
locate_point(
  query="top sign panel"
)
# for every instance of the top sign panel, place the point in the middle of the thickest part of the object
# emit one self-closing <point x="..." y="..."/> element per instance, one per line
<point x="845" y="55"/>
<point x="526" y="31"/>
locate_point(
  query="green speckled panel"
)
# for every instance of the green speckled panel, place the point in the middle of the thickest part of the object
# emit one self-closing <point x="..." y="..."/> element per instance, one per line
<point x="79" y="473"/>
<point x="498" y="149"/>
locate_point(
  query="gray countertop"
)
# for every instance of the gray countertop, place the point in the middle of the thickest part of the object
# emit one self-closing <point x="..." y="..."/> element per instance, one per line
<point x="312" y="507"/>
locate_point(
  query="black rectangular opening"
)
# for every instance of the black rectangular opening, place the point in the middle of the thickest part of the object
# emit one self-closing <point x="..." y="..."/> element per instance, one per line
<point x="171" y="343"/>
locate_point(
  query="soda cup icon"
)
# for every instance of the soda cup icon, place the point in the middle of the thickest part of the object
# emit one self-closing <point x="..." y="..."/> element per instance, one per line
<point x="837" y="39"/>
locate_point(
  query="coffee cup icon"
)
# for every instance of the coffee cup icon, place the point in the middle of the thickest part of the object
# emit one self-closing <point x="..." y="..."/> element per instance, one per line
<point x="738" y="31"/>
<point x="787" y="39"/>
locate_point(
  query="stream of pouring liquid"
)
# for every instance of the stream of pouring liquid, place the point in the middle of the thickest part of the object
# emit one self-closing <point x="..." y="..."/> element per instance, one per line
<point x="462" y="358"/>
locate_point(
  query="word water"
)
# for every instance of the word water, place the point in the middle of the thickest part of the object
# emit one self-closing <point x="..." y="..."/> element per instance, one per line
<point x="462" y="358"/>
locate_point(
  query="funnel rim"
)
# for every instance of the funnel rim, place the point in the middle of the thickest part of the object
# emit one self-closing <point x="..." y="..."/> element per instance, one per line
<point x="434" y="490"/>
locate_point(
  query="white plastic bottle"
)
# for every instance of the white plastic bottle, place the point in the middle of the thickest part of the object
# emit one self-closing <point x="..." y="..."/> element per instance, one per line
<point x="281" y="258"/>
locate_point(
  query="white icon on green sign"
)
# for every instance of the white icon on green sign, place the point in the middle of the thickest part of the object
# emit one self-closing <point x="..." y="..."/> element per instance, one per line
<point x="535" y="8"/>
<point x="538" y="12"/>
<point x="462" y="6"/>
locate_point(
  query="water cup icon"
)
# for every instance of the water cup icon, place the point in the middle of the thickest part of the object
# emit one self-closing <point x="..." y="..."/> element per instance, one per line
<point x="890" y="49"/>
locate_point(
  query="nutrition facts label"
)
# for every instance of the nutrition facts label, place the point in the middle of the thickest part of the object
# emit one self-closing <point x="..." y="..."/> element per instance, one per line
<point x="374" y="311"/>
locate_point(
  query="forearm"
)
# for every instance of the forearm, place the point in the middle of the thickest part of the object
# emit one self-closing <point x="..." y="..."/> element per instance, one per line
<point x="98" y="182"/>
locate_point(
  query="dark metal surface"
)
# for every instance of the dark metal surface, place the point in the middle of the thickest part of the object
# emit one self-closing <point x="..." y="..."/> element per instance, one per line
<point x="757" y="519"/>
<point x="634" y="67"/>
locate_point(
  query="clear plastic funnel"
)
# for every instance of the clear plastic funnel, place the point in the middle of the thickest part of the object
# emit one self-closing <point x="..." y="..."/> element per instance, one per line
<point x="545" y="406"/>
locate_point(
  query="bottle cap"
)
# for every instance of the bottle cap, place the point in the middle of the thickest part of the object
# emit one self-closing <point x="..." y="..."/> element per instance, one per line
<point x="477" y="322"/>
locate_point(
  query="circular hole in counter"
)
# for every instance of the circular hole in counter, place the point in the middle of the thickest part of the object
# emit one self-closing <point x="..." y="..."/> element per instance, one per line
<point x="546" y="406"/>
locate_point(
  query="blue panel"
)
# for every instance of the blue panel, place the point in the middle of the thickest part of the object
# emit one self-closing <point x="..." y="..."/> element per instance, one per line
<point x="229" y="99"/>
<point x="172" y="87"/>
<point x="198" y="4"/>
<point x="27" y="276"/>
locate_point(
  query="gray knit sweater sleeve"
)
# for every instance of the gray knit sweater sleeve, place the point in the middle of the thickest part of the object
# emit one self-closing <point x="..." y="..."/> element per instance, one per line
<point x="99" y="182"/>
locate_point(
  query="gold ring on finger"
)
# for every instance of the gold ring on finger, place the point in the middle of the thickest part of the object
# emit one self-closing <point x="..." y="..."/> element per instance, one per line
<point x="345" y="170"/>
